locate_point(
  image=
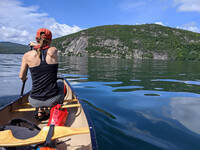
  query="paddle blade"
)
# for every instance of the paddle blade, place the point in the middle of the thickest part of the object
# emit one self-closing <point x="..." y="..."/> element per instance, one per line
<point x="7" y="139"/>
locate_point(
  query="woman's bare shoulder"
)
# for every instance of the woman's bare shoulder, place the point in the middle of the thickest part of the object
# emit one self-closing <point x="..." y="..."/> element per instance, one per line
<point x="30" y="54"/>
<point x="52" y="51"/>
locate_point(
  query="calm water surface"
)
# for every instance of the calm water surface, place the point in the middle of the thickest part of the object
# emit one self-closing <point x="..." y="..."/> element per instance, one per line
<point x="134" y="104"/>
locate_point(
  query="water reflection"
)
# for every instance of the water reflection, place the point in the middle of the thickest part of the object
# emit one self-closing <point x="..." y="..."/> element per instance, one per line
<point x="186" y="111"/>
<point x="73" y="65"/>
<point x="100" y="110"/>
<point x="141" y="104"/>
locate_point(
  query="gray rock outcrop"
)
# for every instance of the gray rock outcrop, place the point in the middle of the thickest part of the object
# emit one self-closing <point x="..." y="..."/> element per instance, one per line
<point x="77" y="46"/>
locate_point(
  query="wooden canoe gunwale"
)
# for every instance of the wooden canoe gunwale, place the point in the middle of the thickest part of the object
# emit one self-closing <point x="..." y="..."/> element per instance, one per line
<point x="18" y="100"/>
<point x="91" y="127"/>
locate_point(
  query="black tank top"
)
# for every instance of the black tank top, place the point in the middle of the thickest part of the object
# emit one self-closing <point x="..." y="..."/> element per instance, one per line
<point x="44" y="79"/>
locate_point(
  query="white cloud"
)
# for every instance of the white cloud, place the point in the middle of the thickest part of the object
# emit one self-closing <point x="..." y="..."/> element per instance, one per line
<point x="19" y="23"/>
<point x="188" y="5"/>
<point x="12" y="34"/>
<point x="62" y="29"/>
<point x="159" y="23"/>
<point x="192" y="26"/>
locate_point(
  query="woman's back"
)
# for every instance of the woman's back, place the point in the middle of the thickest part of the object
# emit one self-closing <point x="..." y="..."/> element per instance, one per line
<point x="44" y="75"/>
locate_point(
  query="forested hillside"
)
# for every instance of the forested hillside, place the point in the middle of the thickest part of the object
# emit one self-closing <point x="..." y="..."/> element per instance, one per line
<point x="12" y="48"/>
<point x="132" y="41"/>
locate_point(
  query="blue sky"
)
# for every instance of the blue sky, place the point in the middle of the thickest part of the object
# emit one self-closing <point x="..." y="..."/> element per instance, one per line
<point x="19" y="19"/>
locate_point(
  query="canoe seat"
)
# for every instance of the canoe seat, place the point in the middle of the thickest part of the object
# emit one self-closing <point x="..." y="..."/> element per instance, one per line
<point x="34" y="109"/>
<point x="7" y="139"/>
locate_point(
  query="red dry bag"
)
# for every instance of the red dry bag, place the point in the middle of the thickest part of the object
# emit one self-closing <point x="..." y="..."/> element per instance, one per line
<point x="58" y="115"/>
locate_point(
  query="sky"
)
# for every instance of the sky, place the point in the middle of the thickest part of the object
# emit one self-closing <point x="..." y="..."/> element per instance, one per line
<point x="20" y="19"/>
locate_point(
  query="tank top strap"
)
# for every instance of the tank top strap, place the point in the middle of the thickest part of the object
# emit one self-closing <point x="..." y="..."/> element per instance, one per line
<point x="43" y="55"/>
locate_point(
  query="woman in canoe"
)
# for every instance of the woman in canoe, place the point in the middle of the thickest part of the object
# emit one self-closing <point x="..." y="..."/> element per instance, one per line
<point x="43" y="64"/>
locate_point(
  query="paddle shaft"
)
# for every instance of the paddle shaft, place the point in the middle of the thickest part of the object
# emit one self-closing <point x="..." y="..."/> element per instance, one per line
<point x="48" y="141"/>
<point x="22" y="90"/>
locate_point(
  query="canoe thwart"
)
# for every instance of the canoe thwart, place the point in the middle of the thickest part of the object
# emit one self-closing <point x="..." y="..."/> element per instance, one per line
<point x="7" y="139"/>
<point x="34" y="109"/>
<point x="65" y="101"/>
<point x="70" y="100"/>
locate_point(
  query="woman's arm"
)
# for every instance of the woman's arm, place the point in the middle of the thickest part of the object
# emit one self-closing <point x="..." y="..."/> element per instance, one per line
<point x="24" y="69"/>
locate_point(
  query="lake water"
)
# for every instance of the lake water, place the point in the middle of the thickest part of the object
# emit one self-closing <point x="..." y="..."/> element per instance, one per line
<point x="134" y="104"/>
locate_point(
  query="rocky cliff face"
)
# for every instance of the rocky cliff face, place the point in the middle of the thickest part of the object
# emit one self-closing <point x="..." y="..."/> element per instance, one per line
<point x="113" y="48"/>
<point x="76" y="47"/>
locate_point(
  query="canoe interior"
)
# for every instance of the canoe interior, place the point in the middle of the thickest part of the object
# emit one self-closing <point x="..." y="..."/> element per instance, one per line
<point x="76" y="119"/>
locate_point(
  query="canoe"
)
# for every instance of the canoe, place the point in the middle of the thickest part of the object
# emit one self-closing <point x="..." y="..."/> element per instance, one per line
<point x="78" y="132"/>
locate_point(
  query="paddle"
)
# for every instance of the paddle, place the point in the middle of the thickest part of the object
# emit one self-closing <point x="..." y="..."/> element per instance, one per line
<point x="7" y="138"/>
<point x="22" y="90"/>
